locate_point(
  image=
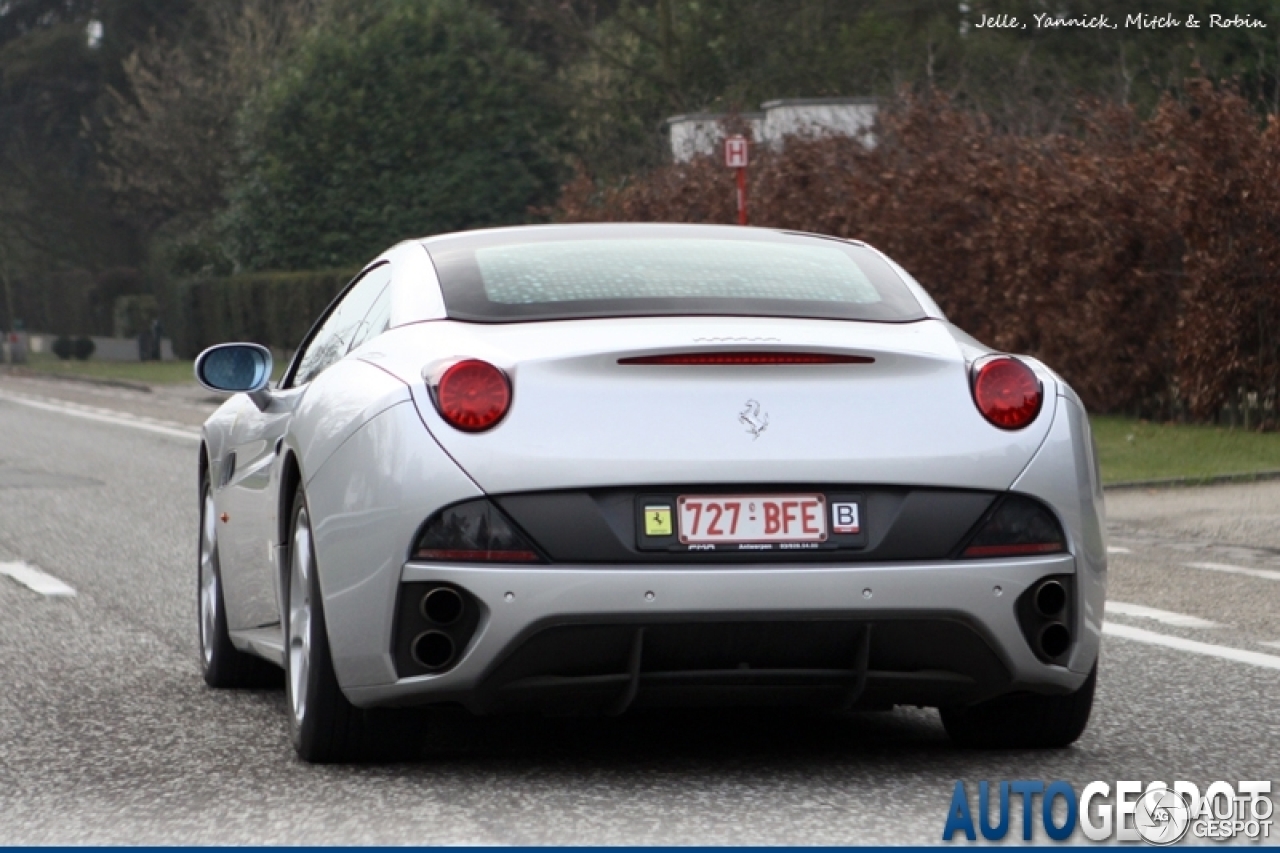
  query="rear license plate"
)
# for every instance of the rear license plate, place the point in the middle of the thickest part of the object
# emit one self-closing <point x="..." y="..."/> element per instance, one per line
<point x="732" y="519"/>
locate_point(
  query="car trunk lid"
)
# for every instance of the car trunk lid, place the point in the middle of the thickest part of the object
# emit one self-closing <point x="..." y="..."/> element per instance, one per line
<point x="898" y="411"/>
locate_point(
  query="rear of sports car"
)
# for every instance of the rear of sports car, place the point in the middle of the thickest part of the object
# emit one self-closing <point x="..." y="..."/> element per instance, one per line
<point x="611" y="490"/>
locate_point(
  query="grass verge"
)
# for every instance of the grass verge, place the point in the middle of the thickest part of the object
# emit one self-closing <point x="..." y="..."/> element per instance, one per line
<point x="1130" y="449"/>
<point x="149" y="372"/>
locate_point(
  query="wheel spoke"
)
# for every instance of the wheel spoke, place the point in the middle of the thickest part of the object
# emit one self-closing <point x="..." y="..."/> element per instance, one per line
<point x="208" y="579"/>
<point x="300" y="568"/>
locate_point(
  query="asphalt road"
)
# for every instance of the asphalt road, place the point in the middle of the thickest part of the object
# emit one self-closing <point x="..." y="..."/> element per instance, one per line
<point x="109" y="736"/>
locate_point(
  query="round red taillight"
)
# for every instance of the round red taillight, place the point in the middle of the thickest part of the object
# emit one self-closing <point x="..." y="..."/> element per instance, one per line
<point x="473" y="395"/>
<point x="1007" y="393"/>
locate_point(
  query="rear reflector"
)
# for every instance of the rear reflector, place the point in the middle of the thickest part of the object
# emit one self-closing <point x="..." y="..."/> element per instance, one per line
<point x="476" y="556"/>
<point x="473" y="532"/>
<point x="1013" y="550"/>
<point x="1019" y="527"/>
<point x="746" y="358"/>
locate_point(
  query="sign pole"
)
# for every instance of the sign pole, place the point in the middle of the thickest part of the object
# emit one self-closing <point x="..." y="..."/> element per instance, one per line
<point x="742" y="195"/>
<point x="737" y="157"/>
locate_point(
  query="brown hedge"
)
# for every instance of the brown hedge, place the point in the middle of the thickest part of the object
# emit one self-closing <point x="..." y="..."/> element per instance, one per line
<point x="1139" y="258"/>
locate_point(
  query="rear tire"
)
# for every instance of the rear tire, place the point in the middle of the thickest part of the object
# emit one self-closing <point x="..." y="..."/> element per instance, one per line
<point x="324" y="726"/>
<point x="222" y="664"/>
<point x="1023" y="721"/>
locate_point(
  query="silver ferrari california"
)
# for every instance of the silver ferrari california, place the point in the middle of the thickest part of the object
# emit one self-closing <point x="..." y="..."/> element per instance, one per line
<point x="594" y="468"/>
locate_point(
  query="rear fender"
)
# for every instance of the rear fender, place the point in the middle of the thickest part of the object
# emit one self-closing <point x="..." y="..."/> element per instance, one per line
<point x="367" y="502"/>
<point x="336" y="404"/>
<point x="1064" y="474"/>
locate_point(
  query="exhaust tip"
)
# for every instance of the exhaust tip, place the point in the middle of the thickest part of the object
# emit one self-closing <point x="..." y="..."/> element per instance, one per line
<point x="1055" y="639"/>
<point x="1051" y="598"/>
<point x="433" y="649"/>
<point x="442" y="605"/>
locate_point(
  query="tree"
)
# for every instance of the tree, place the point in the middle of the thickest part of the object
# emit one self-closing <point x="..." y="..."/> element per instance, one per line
<point x="171" y="145"/>
<point x="58" y="227"/>
<point x="395" y="119"/>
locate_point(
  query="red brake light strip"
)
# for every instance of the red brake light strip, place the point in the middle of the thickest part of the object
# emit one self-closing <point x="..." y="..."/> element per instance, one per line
<point x="746" y="358"/>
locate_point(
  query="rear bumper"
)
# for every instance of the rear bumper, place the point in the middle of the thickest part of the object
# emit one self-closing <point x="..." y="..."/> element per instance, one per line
<point x="920" y="633"/>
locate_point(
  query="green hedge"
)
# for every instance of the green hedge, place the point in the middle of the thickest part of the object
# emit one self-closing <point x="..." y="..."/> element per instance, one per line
<point x="274" y="309"/>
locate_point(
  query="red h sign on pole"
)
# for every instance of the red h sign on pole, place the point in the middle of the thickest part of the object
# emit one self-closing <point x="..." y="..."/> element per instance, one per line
<point x="736" y="156"/>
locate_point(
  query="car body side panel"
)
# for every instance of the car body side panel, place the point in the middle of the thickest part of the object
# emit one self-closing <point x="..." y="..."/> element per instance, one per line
<point x="247" y="501"/>
<point x="367" y="502"/>
<point x="240" y="442"/>
<point x="1064" y="475"/>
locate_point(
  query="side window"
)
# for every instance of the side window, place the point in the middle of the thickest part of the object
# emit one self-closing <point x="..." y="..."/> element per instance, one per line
<point x="333" y="339"/>
<point x="376" y="321"/>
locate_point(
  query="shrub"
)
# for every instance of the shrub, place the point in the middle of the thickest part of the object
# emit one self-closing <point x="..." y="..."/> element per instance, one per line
<point x="399" y="118"/>
<point x="82" y="348"/>
<point x="62" y="347"/>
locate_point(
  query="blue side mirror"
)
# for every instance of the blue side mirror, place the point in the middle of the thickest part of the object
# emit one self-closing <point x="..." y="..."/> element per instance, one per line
<point x="234" y="368"/>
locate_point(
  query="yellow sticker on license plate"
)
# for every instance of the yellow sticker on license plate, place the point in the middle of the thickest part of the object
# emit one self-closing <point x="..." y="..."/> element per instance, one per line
<point x="657" y="521"/>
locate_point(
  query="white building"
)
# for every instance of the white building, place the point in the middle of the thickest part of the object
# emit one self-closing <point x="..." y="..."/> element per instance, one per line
<point x="701" y="133"/>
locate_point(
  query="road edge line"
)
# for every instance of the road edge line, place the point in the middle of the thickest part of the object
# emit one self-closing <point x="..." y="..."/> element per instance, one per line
<point x="1227" y="568"/>
<point x="1140" y="635"/>
<point x="1141" y="611"/>
<point x="36" y="580"/>
<point x="102" y="417"/>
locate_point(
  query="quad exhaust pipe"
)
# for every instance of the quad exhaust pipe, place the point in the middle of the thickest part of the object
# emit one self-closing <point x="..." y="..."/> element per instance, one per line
<point x="433" y="650"/>
<point x="442" y="605"/>
<point x="1050" y="599"/>
<point x="434" y="625"/>
<point x="1054" y="640"/>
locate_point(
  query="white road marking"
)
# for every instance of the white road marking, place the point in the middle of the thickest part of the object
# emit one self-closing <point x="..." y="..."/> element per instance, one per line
<point x="1224" y="652"/>
<point x="1168" y="617"/>
<point x="91" y="413"/>
<point x="1117" y="549"/>
<point x="1266" y="574"/>
<point x="1275" y="644"/>
<point x="35" y="579"/>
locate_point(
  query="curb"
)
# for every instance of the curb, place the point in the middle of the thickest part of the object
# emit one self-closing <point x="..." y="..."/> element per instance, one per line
<point x="75" y="377"/>
<point x="1183" y="482"/>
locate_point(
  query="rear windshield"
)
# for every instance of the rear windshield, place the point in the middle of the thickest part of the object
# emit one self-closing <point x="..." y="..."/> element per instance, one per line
<point x="631" y="271"/>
